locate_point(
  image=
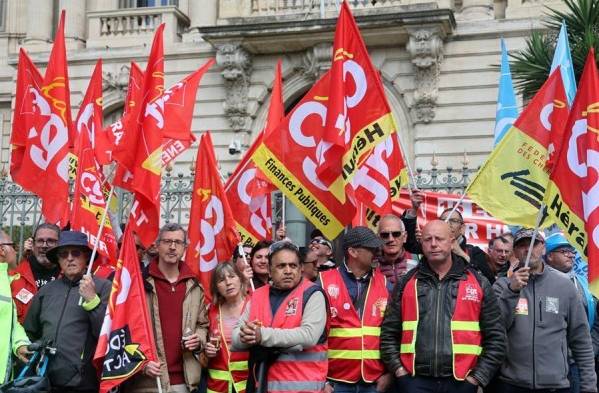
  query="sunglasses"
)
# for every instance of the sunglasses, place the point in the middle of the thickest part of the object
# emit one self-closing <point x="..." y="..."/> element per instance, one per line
<point x="74" y="253"/>
<point x="387" y="235"/>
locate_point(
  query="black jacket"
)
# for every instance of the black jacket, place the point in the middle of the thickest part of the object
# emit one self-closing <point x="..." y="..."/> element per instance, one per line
<point x="478" y="258"/>
<point x="56" y="317"/>
<point x="436" y="303"/>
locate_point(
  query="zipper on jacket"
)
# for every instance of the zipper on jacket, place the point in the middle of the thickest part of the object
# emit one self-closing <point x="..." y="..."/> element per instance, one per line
<point x="540" y="310"/>
<point x="66" y="298"/>
<point x="435" y="361"/>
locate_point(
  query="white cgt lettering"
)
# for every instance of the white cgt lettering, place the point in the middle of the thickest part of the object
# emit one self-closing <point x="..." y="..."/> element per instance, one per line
<point x="590" y="199"/>
<point x="214" y="210"/>
<point x="308" y="108"/>
<point x="51" y="142"/>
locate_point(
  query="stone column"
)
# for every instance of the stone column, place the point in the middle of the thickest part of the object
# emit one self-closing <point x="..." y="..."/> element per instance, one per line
<point x="201" y="13"/>
<point x="39" y="25"/>
<point x="75" y="23"/>
<point x="477" y="9"/>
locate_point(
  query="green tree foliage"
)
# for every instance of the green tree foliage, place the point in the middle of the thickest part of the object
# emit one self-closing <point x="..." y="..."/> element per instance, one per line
<point x="530" y="66"/>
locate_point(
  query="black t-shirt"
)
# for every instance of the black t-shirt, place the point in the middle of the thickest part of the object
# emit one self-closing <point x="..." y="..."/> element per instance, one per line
<point x="42" y="275"/>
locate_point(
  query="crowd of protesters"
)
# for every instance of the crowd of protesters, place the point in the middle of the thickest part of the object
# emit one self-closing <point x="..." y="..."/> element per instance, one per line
<point x="410" y="308"/>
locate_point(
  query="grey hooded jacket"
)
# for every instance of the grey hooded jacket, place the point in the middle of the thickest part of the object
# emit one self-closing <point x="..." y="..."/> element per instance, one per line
<point x="543" y="321"/>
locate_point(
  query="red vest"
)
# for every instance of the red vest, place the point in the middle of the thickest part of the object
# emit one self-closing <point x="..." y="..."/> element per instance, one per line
<point x="300" y="371"/>
<point x="229" y="369"/>
<point x="465" y="329"/>
<point x="23" y="288"/>
<point x="353" y="343"/>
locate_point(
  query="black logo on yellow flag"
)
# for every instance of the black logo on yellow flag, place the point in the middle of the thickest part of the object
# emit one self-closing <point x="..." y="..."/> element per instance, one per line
<point x="123" y="357"/>
<point x="526" y="189"/>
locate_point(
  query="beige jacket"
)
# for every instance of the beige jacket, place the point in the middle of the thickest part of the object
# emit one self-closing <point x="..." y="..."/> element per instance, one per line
<point x="194" y="306"/>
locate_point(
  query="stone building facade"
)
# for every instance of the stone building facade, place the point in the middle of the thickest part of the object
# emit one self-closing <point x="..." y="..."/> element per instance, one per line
<point x="436" y="60"/>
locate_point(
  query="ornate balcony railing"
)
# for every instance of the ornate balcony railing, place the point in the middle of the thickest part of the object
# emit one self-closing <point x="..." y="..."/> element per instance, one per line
<point x="126" y="26"/>
<point x="281" y="7"/>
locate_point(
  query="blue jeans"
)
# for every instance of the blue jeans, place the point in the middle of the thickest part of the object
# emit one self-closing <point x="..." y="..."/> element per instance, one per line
<point x="409" y="384"/>
<point x="574" y="378"/>
<point x="360" y="387"/>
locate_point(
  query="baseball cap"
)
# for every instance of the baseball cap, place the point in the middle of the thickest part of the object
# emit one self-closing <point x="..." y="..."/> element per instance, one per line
<point x="526" y="233"/>
<point x="361" y="237"/>
<point x="555" y="241"/>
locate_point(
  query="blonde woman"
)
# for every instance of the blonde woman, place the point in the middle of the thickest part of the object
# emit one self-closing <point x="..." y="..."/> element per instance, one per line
<point x="227" y="370"/>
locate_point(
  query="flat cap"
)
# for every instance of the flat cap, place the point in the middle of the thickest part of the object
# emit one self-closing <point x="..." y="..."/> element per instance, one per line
<point x="361" y="237"/>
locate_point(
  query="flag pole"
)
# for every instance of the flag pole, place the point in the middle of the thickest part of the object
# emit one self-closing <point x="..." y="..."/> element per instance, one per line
<point x="158" y="384"/>
<point x="242" y="253"/>
<point x="100" y="229"/>
<point x="534" y="234"/>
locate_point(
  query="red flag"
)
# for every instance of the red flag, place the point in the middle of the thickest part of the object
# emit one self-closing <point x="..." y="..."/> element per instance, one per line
<point x="89" y="118"/>
<point x="132" y="101"/>
<point x="28" y="78"/>
<point x="56" y="80"/>
<point x="89" y="201"/>
<point x="212" y="232"/>
<point x="44" y="166"/>
<point x="178" y="103"/>
<point x="358" y="116"/>
<point x="248" y="190"/>
<point x="140" y="150"/>
<point x="127" y="329"/>
<point x="572" y="196"/>
<point x="250" y="199"/>
<point x="276" y="114"/>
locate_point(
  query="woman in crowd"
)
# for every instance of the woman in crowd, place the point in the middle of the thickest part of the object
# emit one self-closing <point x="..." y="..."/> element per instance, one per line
<point x="259" y="263"/>
<point x="227" y="371"/>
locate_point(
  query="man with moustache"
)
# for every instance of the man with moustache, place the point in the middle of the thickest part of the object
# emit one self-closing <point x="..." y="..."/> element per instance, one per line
<point x="544" y="319"/>
<point x="499" y="253"/>
<point x="395" y="261"/>
<point x="36" y="270"/>
<point x="284" y="327"/>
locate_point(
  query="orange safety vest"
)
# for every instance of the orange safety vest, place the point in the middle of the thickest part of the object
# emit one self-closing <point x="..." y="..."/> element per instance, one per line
<point x="229" y="369"/>
<point x="298" y="371"/>
<point x="465" y="329"/>
<point x="353" y="343"/>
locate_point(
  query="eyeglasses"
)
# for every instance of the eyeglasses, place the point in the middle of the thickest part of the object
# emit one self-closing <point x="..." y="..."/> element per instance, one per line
<point x="566" y="251"/>
<point x="310" y="262"/>
<point x="455" y="221"/>
<point x="280" y="245"/>
<point x="387" y="235"/>
<point x="76" y="253"/>
<point x="8" y="244"/>
<point x="171" y="242"/>
<point x="48" y="242"/>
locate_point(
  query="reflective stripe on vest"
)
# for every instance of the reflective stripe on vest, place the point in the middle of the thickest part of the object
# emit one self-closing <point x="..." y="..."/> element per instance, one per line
<point x="304" y="370"/>
<point x="464" y="326"/>
<point x="228" y="369"/>
<point x="353" y="341"/>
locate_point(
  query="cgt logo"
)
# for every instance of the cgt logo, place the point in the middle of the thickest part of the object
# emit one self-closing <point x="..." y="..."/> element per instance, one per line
<point x="52" y="137"/>
<point x="310" y="108"/>
<point x="579" y="162"/>
<point x="258" y="206"/>
<point x="92" y="187"/>
<point x="211" y="225"/>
